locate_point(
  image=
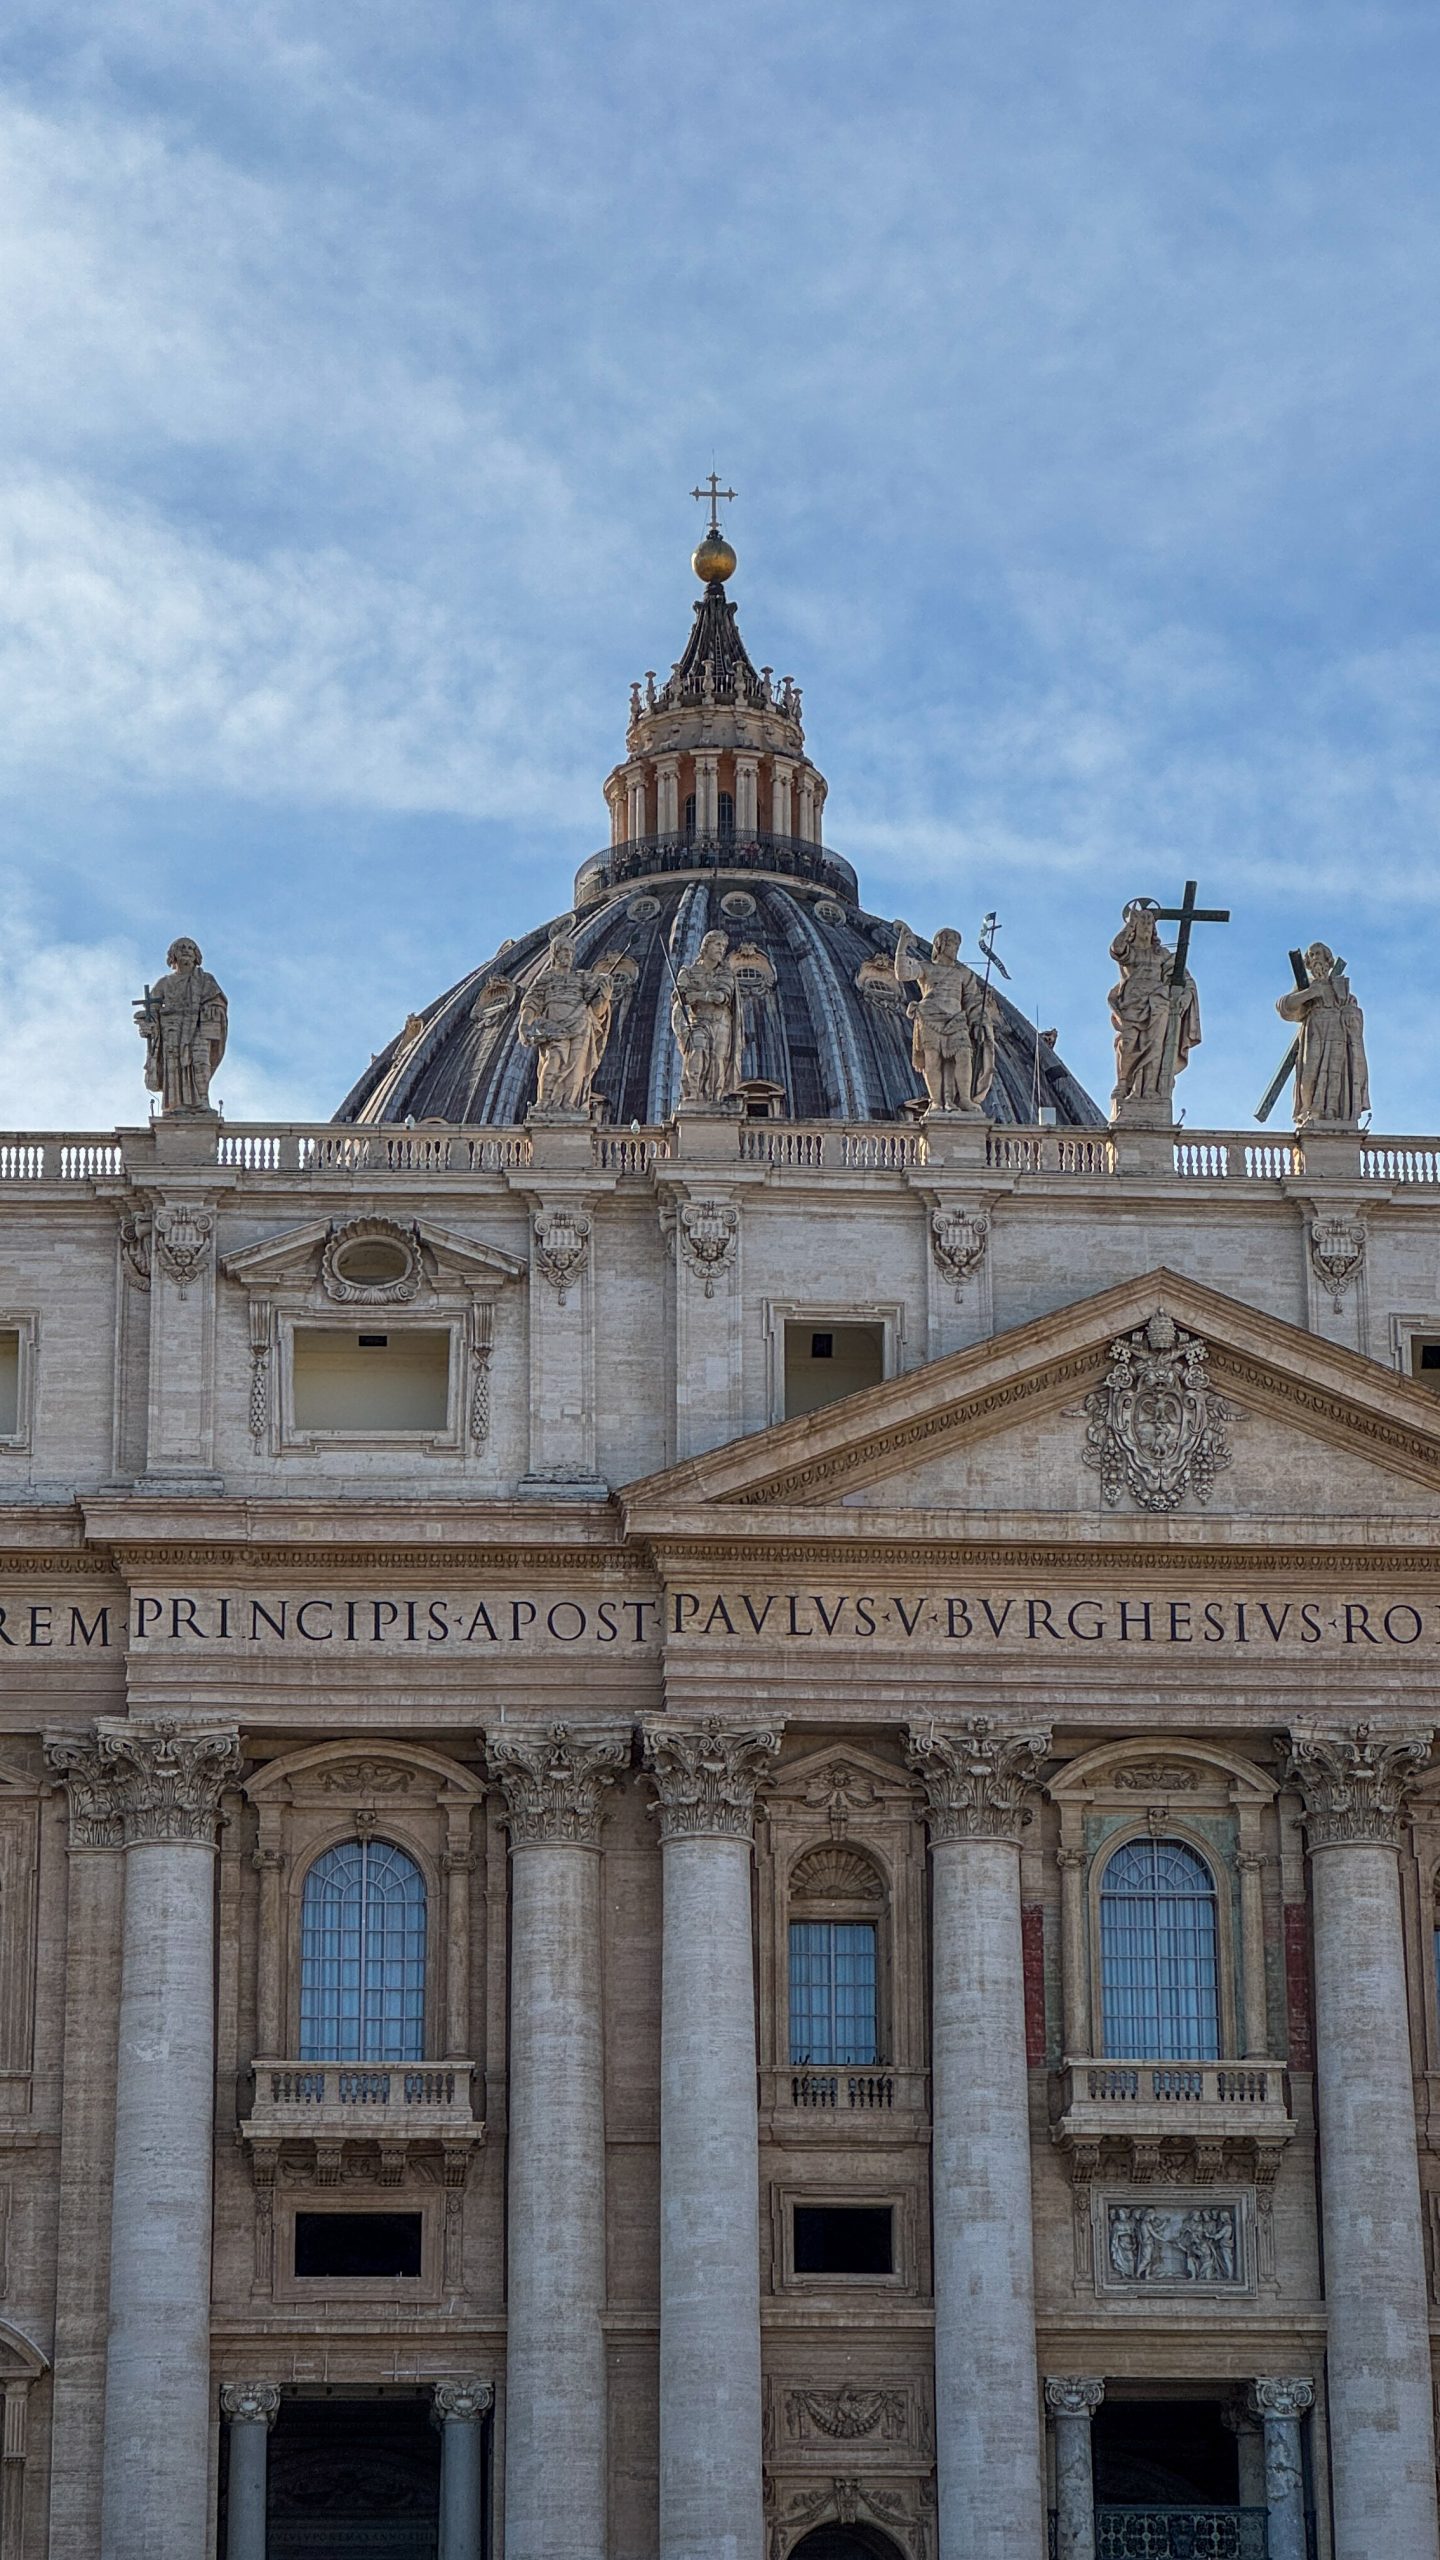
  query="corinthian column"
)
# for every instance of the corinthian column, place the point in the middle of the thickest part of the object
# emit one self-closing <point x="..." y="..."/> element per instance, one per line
<point x="249" y="2409"/>
<point x="167" y="1781"/>
<point x="1280" y="2401"/>
<point x="555" y="2468"/>
<point x="1381" y="2431"/>
<point x="988" y="2442"/>
<point x="1072" y="2400"/>
<point x="705" y="1777"/>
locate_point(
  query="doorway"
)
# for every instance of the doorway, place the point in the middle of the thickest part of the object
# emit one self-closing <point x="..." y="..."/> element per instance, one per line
<point x="354" y="2480"/>
<point x="847" y="2542"/>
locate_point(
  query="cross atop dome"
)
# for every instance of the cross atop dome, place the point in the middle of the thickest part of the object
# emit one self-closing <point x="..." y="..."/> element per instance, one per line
<point x="713" y="560"/>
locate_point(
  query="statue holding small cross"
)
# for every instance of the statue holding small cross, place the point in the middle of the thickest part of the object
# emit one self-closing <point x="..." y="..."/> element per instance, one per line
<point x="1327" y="1056"/>
<point x="1154" y="1006"/>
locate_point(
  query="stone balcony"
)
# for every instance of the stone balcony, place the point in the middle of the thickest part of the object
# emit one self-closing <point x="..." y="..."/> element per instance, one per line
<point x="851" y="2102"/>
<point x="393" y="2109"/>
<point x="1192" y="2120"/>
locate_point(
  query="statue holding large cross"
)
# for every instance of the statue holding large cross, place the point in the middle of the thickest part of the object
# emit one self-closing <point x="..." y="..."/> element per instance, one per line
<point x="1154" y="1006"/>
<point x="1327" y="1056"/>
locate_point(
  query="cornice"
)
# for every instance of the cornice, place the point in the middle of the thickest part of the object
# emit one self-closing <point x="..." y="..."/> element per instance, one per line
<point x="437" y="1562"/>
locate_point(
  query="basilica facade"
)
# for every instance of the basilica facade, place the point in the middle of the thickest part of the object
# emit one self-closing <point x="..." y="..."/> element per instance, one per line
<point x="718" y="1837"/>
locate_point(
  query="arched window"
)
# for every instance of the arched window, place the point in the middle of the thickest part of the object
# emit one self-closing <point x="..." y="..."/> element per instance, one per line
<point x="689" y="813"/>
<point x="834" y="1951"/>
<point x="725" y="818"/>
<point x="362" y="1956"/>
<point x="1159" y="1954"/>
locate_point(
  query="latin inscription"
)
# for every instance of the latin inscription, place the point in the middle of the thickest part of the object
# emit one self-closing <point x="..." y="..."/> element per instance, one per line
<point x="919" y="1620"/>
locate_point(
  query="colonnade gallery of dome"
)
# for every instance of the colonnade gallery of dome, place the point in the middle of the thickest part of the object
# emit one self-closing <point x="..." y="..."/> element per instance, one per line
<point x="718" y="1829"/>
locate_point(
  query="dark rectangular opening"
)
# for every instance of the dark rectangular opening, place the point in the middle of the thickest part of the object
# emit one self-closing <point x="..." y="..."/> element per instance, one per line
<point x="1430" y="1355"/>
<point x="822" y="1346"/>
<point x="844" y="2240"/>
<point x="357" y="2244"/>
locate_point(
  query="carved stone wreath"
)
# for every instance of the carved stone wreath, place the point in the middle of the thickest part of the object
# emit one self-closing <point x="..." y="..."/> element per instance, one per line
<point x="1156" y="1427"/>
<point x="709" y="1233"/>
<point x="342" y="1240"/>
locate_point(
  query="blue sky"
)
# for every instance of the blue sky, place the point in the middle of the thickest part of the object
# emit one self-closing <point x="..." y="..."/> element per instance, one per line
<point x="1076" y="366"/>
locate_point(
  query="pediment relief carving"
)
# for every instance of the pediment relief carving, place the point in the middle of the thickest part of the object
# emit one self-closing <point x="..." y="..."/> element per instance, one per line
<point x="335" y="1772"/>
<point x="1152" y="1766"/>
<point x="371" y="1261"/>
<point x="833" y="1873"/>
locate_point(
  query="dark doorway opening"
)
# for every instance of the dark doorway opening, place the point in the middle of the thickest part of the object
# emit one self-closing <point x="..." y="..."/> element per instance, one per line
<point x="847" y="2542"/>
<point x="353" y="2477"/>
<point x="1164" y="2453"/>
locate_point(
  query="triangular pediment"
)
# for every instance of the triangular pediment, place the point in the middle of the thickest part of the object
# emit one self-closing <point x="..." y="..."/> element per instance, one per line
<point x="296" y="1257"/>
<point x="1015" y="1425"/>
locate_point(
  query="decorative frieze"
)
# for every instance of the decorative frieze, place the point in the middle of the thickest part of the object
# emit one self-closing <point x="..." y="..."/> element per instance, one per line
<point x="848" y="2414"/>
<point x="705" y="1776"/>
<point x="167" y="1778"/>
<point x="1198" y="2248"/>
<point x="553" y="1781"/>
<point x="979" y="1782"/>
<point x="709" y="1233"/>
<point x="1355" y="1783"/>
<point x="1156" y="1426"/>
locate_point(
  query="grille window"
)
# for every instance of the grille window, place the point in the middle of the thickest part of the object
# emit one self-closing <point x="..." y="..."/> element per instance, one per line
<point x="1159" y="1954"/>
<point x="362" y="1956"/>
<point x="832" y="1991"/>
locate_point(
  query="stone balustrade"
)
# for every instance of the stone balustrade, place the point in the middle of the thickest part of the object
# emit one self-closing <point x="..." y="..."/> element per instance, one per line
<point x="1193" y="2098"/>
<point x="374" y="2102"/>
<point x="845" y="2089"/>
<point x="316" y="1150"/>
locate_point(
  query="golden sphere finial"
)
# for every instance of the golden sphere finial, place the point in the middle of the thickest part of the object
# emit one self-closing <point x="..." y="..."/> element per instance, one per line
<point x="713" y="558"/>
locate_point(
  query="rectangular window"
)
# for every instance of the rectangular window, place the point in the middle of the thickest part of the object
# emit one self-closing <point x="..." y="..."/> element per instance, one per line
<point x="832" y="1991"/>
<point x="9" y="1382"/>
<point x="1425" y="1362"/>
<point x="844" y="2240"/>
<point x="821" y="1366"/>
<point x="357" y="2244"/>
<point x="367" y="1382"/>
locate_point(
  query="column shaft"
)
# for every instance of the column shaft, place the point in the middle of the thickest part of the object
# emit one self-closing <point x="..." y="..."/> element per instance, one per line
<point x="459" y="2412"/>
<point x="988" y="2454"/>
<point x="1381" y="2419"/>
<point x="1072" y="2400"/>
<point x="249" y="2409"/>
<point x="157" y="2392"/>
<point x="555" y="2489"/>
<point x="710" y="2413"/>
<point x="1280" y="2403"/>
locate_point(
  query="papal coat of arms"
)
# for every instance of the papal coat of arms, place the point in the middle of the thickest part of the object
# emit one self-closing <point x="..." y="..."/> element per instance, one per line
<point x="1156" y="1427"/>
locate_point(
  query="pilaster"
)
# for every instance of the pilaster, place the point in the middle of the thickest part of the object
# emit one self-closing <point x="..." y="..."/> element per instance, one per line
<point x="180" y="1422"/>
<point x="563" y="1458"/>
<point x="709" y="1308"/>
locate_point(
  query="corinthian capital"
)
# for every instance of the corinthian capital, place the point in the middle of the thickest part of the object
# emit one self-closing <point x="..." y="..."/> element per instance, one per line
<point x="90" y="1785"/>
<point x="1281" y="2395"/>
<point x="705" y="1776"/>
<point x="250" y="2404"/>
<point x="552" y="1781"/>
<point x="1354" y="1785"/>
<point x="466" y="2398"/>
<point x="1073" y="2395"/>
<point x="977" y="1782"/>
<point x="167" y="1778"/>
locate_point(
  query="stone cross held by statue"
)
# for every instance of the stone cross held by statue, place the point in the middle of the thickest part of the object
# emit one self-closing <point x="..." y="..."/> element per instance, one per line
<point x="1291" y="1059"/>
<point x="714" y="493"/>
<point x="1186" y="914"/>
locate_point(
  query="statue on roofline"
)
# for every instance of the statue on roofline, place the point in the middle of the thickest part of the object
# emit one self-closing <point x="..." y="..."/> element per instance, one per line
<point x="184" y="1022"/>
<point x="1141" y="1004"/>
<point x="705" y="1018"/>
<point x="565" y="1018"/>
<point x="953" y="1045"/>
<point x="1332" y="1079"/>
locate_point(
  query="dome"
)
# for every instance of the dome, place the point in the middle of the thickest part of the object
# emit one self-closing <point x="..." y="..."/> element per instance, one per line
<point x="715" y="816"/>
<point x="825" y="1020"/>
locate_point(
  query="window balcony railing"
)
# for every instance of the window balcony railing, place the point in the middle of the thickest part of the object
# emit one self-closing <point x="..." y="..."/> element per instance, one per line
<point x="1178" y="2533"/>
<point x="395" y="2104"/>
<point x="824" y="2093"/>
<point x="1222" y="2098"/>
